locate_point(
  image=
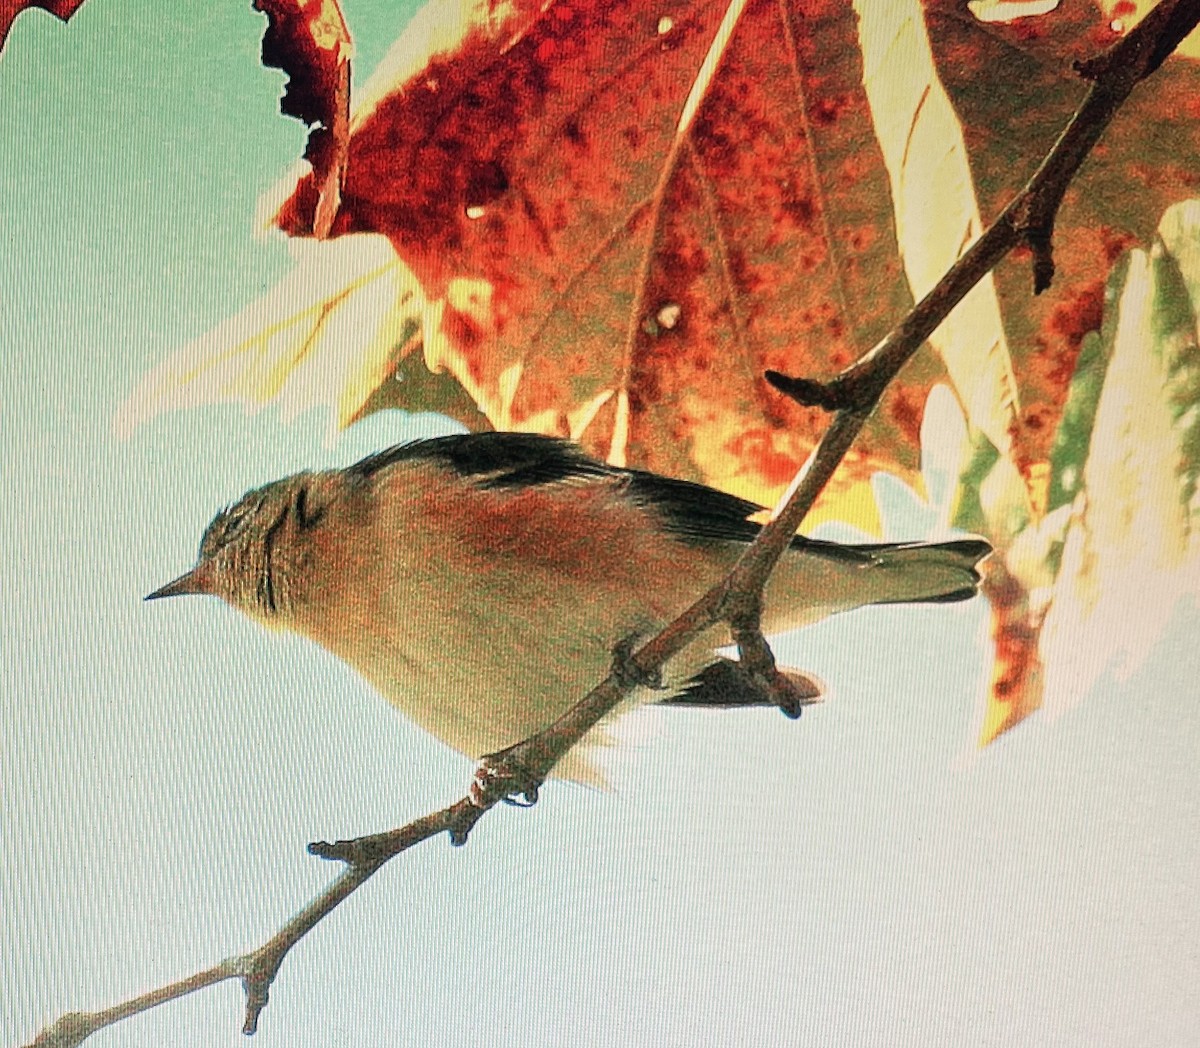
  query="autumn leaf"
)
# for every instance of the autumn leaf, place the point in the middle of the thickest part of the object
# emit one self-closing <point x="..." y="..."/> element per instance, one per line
<point x="1014" y="89"/>
<point x="608" y="265"/>
<point x="1090" y="587"/>
<point x="9" y="9"/>
<point x="309" y="41"/>
<point x="330" y="333"/>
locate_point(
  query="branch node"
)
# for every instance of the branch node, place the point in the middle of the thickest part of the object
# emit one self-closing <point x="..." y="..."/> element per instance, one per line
<point x="342" y="851"/>
<point x="1093" y="68"/>
<point x="830" y="396"/>
<point x="1040" y="243"/>
<point x="257" y="987"/>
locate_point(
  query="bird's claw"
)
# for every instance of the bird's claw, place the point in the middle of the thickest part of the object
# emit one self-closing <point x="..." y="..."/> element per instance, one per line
<point x="628" y="673"/>
<point x="793" y="691"/>
<point x="502" y="777"/>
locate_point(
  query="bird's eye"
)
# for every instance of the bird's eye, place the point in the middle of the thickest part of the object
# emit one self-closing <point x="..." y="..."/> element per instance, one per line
<point x="234" y="520"/>
<point x="238" y="517"/>
<point x="228" y="525"/>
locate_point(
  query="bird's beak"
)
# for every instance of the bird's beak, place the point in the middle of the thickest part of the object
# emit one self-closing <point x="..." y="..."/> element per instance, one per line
<point x="194" y="581"/>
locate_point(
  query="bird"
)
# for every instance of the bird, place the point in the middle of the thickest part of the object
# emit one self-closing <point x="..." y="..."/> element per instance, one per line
<point x="482" y="582"/>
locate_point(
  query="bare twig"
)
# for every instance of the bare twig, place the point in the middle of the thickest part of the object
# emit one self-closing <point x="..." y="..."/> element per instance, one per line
<point x="257" y="969"/>
<point x="736" y="599"/>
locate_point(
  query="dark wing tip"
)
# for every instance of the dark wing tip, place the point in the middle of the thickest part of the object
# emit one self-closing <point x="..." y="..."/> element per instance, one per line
<point x="692" y="511"/>
<point x="493" y="459"/>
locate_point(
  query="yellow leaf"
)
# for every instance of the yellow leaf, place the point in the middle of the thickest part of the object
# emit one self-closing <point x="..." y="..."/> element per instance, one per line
<point x="936" y="213"/>
<point x="327" y="334"/>
<point x="1130" y="552"/>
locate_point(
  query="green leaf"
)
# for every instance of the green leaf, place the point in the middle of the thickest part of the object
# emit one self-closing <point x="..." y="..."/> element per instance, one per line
<point x="1074" y="434"/>
<point x="992" y="497"/>
<point x="1180" y="237"/>
<point x="1130" y="551"/>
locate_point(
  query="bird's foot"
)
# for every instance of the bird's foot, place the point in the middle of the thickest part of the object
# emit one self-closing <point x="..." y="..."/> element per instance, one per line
<point x="791" y="691"/>
<point x="726" y="684"/>
<point x="626" y="669"/>
<point x="503" y="776"/>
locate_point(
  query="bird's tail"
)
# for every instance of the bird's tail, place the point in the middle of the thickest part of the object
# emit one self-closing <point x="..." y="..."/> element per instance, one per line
<point x="927" y="573"/>
<point x="818" y="578"/>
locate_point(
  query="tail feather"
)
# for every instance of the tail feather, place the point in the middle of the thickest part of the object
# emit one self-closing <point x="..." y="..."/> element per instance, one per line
<point x="969" y="551"/>
<point x="930" y="573"/>
<point x="817" y="578"/>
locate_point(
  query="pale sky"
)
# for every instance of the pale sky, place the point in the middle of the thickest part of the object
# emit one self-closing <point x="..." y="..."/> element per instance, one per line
<point x="863" y="877"/>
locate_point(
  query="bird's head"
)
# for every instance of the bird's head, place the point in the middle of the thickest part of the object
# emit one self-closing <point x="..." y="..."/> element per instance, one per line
<point x="254" y="551"/>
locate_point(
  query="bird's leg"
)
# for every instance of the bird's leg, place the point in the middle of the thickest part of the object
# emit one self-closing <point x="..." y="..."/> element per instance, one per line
<point x="791" y="692"/>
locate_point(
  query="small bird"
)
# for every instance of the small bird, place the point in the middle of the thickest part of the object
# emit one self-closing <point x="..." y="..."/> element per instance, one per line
<point x="482" y="582"/>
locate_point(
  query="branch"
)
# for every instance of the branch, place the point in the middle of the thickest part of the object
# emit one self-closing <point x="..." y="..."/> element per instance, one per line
<point x="257" y="969"/>
<point x="736" y="599"/>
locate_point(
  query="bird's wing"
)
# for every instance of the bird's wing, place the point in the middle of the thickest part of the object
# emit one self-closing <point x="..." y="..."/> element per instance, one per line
<point x="515" y="460"/>
<point x="692" y="512"/>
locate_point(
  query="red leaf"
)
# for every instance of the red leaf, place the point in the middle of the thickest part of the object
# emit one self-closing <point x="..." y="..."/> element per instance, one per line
<point x="603" y="276"/>
<point x="1014" y="89"/>
<point x="1016" y="686"/>
<point x="9" y="9"/>
<point x="309" y="41"/>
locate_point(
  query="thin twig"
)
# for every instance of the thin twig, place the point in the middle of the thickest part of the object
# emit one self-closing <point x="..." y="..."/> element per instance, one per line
<point x="737" y="598"/>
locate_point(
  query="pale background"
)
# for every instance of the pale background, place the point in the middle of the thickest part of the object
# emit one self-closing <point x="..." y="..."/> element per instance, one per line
<point x="860" y="878"/>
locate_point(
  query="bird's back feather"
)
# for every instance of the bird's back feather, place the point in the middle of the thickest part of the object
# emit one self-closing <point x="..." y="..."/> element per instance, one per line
<point x="689" y="511"/>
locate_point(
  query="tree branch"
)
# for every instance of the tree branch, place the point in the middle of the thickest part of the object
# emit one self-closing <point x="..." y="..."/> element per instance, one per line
<point x="736" y="599"/>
